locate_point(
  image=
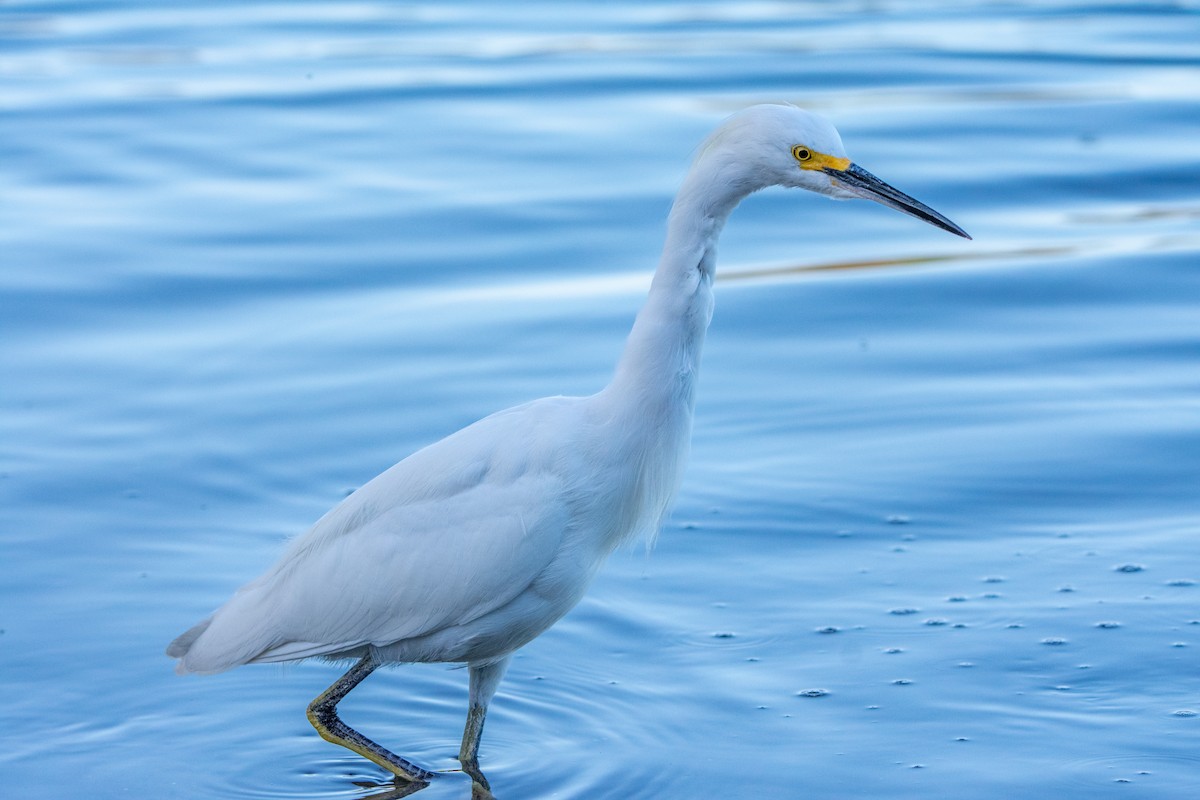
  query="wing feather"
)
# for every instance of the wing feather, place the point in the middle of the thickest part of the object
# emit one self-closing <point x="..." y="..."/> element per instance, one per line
<point x="446" y="536"/>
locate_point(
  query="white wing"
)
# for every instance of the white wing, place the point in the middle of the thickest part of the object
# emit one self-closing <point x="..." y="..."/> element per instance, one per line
<point x="451" y="533"/>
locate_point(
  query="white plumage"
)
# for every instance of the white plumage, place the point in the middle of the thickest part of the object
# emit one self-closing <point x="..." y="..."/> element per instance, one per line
<point x="464" y="551"/>
<point x="471" y="547"/>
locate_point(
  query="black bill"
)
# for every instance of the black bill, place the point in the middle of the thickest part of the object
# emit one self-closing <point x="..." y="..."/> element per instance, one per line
<point x="862" y="183"/>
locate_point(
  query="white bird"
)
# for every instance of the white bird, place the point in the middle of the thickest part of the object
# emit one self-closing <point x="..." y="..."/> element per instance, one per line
<point x="473" y="546"/>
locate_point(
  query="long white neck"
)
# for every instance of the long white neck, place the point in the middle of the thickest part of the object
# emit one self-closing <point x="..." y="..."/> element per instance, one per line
<point x="658" y="369"/>
<point x="653" y="392"/>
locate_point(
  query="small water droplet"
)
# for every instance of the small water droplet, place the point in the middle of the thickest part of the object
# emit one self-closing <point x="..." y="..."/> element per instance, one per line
<point x="898" y="519"/>
<point x="902" y="682"/>
<point x="1054" y="641"/>
<point x="1014" y="626"/>
<point x="916" y="766"/>
<point x="1186" y="712"/>
<point x="1108" y="625"/>
<point x="1066" y="589"/>
<point x="813" y="693"/>
<point x="1179" y="644"/>
<point x="828" y="629"/>
<point x="957" y="598"/>
<point x="1129" y="568"/>
<point x="994" y="579"/>
<point x="723" y="635"/>
<point x="961" y="739"/>
<point x="891" y="651"/>
<point x="901" y="612"/>
<point x="1182" y="582"/>
<point x="935" y="622"/>
<point x="966" y="664"/>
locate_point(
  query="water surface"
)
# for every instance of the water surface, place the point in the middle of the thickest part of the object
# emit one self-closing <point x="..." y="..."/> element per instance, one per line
<point x="938" y="534"/>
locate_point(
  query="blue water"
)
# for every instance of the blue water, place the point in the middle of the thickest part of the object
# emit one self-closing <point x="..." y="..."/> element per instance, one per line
<point x="253" y="253"/>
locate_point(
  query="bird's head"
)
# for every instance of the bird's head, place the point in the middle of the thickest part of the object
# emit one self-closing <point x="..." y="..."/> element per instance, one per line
<point x="781" y="145"/>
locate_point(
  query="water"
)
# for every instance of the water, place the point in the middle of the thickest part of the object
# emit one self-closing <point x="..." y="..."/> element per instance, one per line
<point x="254" y="253"/>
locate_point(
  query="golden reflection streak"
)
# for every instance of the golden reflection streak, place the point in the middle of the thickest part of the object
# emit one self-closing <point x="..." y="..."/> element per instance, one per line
<point x="623" y="283"/>
<point x="889" y="263"/>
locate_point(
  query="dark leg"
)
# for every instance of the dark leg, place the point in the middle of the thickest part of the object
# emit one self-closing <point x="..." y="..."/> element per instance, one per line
<point x="322" y="713"/>
<point x="485" y="678"/>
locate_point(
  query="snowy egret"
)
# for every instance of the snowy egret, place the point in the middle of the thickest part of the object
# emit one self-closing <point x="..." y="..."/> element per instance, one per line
<point x="473" y="546"/>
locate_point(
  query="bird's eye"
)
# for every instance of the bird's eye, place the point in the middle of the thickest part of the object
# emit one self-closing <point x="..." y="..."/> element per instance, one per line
<point x="801" y="153"/>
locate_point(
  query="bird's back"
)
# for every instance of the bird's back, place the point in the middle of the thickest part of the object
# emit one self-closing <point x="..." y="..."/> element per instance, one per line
<point x="500" y="519"/>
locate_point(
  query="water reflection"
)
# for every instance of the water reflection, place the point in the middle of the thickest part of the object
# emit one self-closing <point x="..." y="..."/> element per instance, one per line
<point x="394" y="791"/>
<point x="1027" y="253"/>
<point x="480" y="787"/>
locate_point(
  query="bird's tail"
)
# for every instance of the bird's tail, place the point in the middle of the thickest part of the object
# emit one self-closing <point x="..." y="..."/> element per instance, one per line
<point x="233" y="635"/>
<point x="182" y="643"/>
